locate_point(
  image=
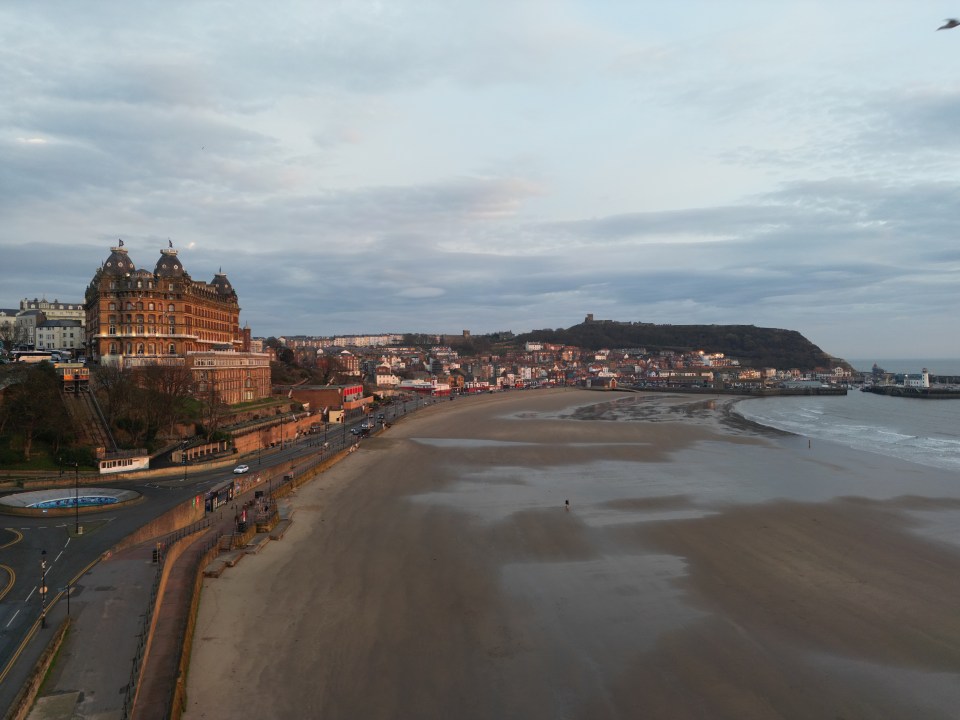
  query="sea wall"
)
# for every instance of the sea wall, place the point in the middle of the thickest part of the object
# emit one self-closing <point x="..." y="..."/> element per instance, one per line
<point x="932" y="393"/>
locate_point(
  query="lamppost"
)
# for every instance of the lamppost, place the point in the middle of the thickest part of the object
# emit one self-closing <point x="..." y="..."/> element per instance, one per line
<point x="60" y="460"/>
<point x="43" y="588"/>
<point x="281" y="431"/>
<point x="183" y="459"/>
<point x="76" y="497"/>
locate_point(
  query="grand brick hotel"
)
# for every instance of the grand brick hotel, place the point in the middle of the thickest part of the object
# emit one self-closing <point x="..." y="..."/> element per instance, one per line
<point x="137" y="317"/>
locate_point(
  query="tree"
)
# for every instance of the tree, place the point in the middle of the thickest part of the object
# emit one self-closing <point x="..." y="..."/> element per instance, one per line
<point x="35" y="408"/>
<point x="116" y="389"/>
<point x="142" y="402"/>
<point x="164" y="390"/>
<point x="212" y="411"/>
<point x="12" y="335"/>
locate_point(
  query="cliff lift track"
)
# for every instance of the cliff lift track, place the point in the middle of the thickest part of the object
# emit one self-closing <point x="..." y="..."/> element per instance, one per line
<point x="88" y="420"/>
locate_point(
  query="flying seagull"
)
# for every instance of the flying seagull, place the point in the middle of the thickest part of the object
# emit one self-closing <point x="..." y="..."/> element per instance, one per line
<point x="949" y="24"/>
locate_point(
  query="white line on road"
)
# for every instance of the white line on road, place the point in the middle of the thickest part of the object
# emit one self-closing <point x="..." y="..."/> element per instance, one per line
<point x="13" y="618"/>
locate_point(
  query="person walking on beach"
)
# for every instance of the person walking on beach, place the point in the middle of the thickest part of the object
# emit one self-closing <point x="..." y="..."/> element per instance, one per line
<point x="566" y="505"/>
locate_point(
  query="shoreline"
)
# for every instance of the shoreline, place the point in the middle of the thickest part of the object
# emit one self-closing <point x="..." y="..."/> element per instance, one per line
<point x="703" y="567"/>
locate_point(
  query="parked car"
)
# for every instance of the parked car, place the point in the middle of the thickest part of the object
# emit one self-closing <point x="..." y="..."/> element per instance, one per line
<point x="240" y="469"/>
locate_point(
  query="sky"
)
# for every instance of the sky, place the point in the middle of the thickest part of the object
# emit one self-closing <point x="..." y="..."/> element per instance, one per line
<point x="440" y="165"/>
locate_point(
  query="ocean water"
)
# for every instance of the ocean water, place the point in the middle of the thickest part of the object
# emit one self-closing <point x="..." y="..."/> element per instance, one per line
<point x="921" y="431"/>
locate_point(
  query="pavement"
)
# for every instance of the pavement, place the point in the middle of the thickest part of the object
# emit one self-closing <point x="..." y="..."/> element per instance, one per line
<point x="95" y="673"/>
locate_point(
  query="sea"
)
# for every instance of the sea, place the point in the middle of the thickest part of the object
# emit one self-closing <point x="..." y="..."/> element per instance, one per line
<point x="921" y="431"/>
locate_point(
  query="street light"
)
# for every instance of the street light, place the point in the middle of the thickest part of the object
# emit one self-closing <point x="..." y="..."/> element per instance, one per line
<point x="43" y="588"/>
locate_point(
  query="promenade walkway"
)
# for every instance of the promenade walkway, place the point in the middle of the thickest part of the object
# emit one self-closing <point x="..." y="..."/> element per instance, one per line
<point x="95" y="675"/>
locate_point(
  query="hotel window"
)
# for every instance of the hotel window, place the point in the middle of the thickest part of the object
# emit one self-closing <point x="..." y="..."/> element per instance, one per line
<point x="150" y="306"/>
<point x="113" y="348"/>
<point x="173" y="349"/>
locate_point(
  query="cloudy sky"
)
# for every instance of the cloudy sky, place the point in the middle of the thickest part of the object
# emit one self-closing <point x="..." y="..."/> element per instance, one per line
<point x="439" y="165"/>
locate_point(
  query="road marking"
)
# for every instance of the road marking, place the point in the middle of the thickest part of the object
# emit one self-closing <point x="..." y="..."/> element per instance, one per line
<point x="31" y="594"/>
<point x="11" y="579"/>
<point x="58" y="556"/>
<point x="10" y="621"/>
<point x="13" y="659"/>
<point x="18" y="538"/>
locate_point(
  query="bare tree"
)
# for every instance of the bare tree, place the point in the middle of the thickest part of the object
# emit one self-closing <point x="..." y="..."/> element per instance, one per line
<point x="116" y="389"/>
<point x="213" y="410"/>
<point x="12" y="335"/>
<point x="35" y="408"/>
<point x="164" y="390"/>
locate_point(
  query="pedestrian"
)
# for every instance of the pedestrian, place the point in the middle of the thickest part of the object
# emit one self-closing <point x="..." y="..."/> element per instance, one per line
<point x="566" y="504"/>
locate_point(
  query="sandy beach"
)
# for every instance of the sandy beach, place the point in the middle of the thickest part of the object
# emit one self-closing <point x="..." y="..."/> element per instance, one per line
<point x="706" y="569"/>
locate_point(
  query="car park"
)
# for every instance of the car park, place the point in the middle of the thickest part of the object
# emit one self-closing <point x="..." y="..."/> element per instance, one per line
<point x="240" y="469"/>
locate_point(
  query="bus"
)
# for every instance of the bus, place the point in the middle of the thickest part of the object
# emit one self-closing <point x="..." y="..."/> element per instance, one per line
<point x="35" y="356"/>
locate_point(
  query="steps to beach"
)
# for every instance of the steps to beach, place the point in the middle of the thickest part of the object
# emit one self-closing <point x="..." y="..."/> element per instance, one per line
<point x="280" y="529"/>
<point x="256" y="545"/>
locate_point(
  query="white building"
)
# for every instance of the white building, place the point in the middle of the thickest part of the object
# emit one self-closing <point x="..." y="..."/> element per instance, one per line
<point x="60" y="335"/>
<point x="55" y="310"/>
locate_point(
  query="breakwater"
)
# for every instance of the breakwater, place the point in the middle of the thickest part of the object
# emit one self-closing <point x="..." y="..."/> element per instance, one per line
<point x="931" y="393"/>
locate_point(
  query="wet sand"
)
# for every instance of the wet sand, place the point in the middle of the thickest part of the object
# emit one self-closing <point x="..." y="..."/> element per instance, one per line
<point x="706" y="569"/>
